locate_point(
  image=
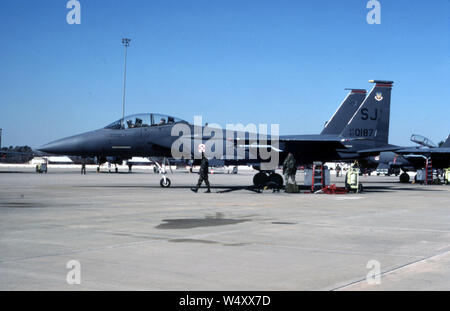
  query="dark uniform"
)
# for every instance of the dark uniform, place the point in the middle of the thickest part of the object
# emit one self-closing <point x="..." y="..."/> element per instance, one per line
<point x="83" y="169"/>
<point x="338" y="170"/>
<point x="289" y="168"/>
<point x="203" y="174"/>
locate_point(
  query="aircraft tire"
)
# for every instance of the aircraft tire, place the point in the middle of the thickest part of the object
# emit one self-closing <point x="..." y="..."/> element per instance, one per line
<point x="164" y="184"/>
<point x="276" y="178"/>
<point x="404" y="178"/>
<point x="260" y="179"/>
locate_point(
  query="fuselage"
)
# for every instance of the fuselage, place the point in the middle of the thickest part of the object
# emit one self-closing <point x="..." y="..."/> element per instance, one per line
<point x="132" y="137"/>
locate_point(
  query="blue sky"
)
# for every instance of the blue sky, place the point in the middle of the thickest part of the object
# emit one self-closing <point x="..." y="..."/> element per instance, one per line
<point x="284" y="62"/>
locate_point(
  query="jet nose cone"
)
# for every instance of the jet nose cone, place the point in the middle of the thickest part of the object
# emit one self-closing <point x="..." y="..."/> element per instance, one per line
<point x="65" y="146"/>
<point x="49" y="148"/>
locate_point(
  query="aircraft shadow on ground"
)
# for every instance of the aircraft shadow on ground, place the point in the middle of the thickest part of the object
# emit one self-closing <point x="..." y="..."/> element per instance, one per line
<point x="227" y="189"/>
<point x="220" y="189"/>
<point x="190" y="223"/>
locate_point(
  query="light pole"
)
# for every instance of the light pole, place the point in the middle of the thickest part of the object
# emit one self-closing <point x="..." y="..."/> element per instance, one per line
<point x="126" y="43"/>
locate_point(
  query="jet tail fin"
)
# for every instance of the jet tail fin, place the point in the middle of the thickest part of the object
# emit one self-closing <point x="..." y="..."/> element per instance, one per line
<point x="446" y="143"/>
<point x="346" y="110"/>
<point x="371" y="120"/>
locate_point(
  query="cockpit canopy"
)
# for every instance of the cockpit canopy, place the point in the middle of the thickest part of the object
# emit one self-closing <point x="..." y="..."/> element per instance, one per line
<point x="143" y="120"/>
<point x="423" y="141"/>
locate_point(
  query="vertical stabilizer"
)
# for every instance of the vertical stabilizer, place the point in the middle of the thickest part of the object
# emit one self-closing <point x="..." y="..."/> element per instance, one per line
<point x="371" y="120"/>
<point x="345" y="111"/>
<point x="446" y="143"/>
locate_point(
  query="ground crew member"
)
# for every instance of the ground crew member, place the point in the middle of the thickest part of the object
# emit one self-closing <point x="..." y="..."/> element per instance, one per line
<point x="338" y="170"/>
<point x="83" y="169"/>
<point x="203" y="175"/>
<point x="289" y="168"/>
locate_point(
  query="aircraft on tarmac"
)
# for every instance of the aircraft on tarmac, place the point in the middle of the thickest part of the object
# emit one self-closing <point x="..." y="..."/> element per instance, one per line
<point x="151" y="135"/>
<point x="417" y="156"/>
<point x="414" y="158"/>
<point x="334" y="126"/>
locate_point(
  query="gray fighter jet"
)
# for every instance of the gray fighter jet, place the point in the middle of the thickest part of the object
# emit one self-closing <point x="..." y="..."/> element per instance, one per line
<point x="152" y="135"/>
<point x="440" y="156"/>
<point x="413" y="158"/>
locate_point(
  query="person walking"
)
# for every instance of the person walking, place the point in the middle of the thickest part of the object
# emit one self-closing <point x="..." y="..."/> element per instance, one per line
<point x="203" y="175"/>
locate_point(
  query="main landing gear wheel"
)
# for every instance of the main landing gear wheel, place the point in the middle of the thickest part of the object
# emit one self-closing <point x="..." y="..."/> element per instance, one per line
<point x="260" y="179"/>
<point x="404" y="178"/>
<point x="277" y="179"/>
<point x="165" y="183"/>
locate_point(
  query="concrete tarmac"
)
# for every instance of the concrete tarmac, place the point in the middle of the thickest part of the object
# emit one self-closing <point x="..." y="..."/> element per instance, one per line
<point x="128" y="233"/>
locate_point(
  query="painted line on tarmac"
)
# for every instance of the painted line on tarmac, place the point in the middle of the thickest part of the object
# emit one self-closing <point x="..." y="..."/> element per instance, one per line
<point x="393" y="270"/>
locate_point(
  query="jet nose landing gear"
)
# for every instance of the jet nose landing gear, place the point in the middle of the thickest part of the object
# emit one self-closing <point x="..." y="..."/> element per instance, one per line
<point x="164" y="182"/>
<point x="161" y="168"/>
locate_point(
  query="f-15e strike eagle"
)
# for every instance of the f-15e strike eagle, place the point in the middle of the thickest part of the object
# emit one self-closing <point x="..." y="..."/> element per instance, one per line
<point x="155" y="135"/>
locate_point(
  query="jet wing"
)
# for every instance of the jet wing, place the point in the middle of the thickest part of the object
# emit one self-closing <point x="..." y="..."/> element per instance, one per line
<point x="377" y="150"/>
<point x="445" y="150"/>
<point x="308" y="143"/>
<point x="330" y="140"/>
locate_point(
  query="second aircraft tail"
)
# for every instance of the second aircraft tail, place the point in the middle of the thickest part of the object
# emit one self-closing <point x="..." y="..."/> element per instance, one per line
<point x="345" y="111"/>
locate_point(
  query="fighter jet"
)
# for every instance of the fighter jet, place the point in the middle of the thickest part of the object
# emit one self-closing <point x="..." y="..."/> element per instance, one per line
<point x="154" y="135"/>
<point x="439" y="156"/>
<point x="410" y="159"/>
